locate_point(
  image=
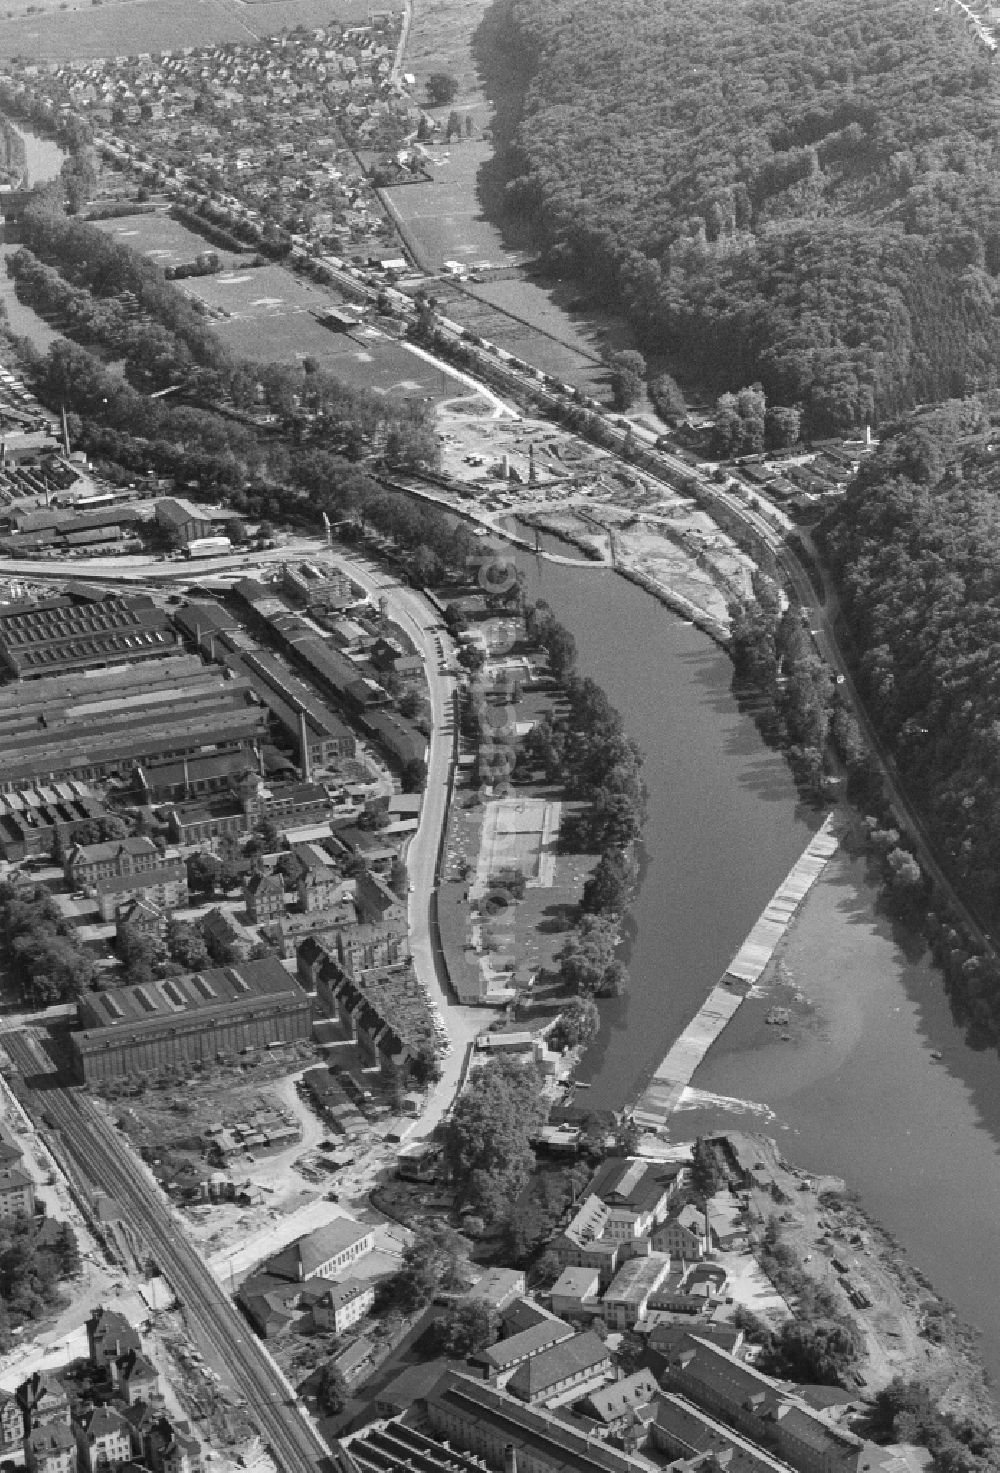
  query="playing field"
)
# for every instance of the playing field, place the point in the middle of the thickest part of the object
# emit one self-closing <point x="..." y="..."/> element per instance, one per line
<point x="519" y="834"/>
<point x="163" y="239"/>
<point x="444" y="217"/>
<point x="134" y="26"/>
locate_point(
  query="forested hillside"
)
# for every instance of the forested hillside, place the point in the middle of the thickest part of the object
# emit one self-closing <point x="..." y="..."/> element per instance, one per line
<point x="804" y="192"/>
<point x="914" y="550"/>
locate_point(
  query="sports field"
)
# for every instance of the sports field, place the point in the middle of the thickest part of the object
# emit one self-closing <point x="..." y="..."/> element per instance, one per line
<point x="163" y="239"/>
<point x="444" y="217"/>
<point x="83" y="32"/>
<point x="519" y="834"/>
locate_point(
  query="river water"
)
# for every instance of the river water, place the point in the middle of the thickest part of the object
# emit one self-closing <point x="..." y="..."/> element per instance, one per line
<point x="855" y="1090"/>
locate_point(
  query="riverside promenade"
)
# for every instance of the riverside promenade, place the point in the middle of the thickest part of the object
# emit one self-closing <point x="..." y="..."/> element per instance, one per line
<point x="659" y="1100"/>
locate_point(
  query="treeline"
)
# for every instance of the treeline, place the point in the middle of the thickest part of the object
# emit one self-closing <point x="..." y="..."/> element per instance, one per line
<point x="913" y="549"/>
<point x="40" y="950"/>
<point x="844" y="253"/>
<point x="583" y="747"/>
<point x="909" y="1412"/>
<point x="805" y="714"/>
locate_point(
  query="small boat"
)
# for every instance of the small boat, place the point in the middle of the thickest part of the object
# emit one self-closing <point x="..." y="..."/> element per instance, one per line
<point x="936" y="1054"/>
<point x="581" y="1084"/>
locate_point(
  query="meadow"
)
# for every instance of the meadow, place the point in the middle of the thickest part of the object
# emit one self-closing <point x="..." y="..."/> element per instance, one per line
<point x="83" y="32"/>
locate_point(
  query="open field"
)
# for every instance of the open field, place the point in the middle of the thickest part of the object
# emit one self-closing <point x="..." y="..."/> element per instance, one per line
<point x="519" y="834"/>
<point x="163" y="239"/>
<point x="445" y="216"/>
<point x="86" y="31"/>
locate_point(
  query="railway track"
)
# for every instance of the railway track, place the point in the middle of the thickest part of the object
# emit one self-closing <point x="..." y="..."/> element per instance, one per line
<point x="109" y="1165"/>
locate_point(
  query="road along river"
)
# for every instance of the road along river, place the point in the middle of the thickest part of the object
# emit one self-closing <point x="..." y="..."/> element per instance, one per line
<point x="854" y="1090"/>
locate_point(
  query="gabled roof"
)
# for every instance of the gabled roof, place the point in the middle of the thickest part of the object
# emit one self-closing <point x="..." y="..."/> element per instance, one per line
<point x="527" y="1343"/>
<point x="614" y="1401"/>
<point x="633" y="1182"/>
<point x="303" y="1259"/>
<point x="578" y="1356"/>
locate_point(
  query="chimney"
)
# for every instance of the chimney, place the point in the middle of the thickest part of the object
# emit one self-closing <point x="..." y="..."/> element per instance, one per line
<point x="304" y="746"/>
<point x="65" y="432"/>
<point x="509" y="1458"/>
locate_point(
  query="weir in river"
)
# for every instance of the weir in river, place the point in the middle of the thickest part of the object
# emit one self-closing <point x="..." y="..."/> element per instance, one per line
<point x="661" y="1096"/>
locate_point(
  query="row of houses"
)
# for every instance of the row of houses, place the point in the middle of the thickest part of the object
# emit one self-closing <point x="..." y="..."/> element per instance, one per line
<point x="108" y="1412"/>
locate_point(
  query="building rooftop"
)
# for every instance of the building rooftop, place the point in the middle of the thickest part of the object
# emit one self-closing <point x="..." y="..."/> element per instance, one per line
<point x="302" y="1259"/>
<point x="536" y="1338"/>
<point x="196" y="992"/>
<point x="582" y="1355"/>
<point x="637" y="1278"/>
<point x="621" y="1397"/>
<point x="633" y="1183"/>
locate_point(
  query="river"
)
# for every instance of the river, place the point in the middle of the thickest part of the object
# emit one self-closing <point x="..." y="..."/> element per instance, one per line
<point x="855" y="1091"/>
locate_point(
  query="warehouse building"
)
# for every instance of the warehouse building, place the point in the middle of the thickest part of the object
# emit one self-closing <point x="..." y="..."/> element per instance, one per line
<point x="67" y="633"/>
<point x="140" y="1029"/>
<point x="37" y="820"/>
<point x="182" y="522"/>
<point x="112" y="723"/>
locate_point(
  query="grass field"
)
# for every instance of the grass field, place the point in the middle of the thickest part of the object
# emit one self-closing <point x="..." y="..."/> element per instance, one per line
<point x="445" y="216"/>
<point x="162" y="239"/>
<point x="86" y="31"/>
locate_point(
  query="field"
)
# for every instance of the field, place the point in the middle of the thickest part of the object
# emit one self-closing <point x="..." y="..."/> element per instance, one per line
<point x="519" y="834"/>
<point x="162" y="239"/>
<point x="86" y="31"/>
<point x="445" y="218"/>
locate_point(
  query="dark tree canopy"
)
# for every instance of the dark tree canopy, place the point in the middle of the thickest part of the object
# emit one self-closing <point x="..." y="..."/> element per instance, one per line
<point x="805" y="193"/>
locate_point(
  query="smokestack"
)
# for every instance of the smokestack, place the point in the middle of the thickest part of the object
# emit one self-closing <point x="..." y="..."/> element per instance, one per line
<point x="65" y="430"/>
<point x="510" y="1458"/>
<point x="304" y="746"/>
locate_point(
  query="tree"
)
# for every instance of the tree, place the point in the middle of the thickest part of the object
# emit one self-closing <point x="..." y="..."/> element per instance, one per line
<point x="487" y="1140"/>
<point x="202" y="871"/>
<point x="186" y="945"/>
<point x="465" y="1328"/>
<point x="442" y="88"/>
<point x="707" y="1177"/>
<point x="628" y="369"/>
<point x="668" y="397"/>
<point x="331" y="1389"/>
<point x="577" y="1024"/>
<point x="782" y="427"/>
<point x="137" y="953"/>
<point x="609" y="884"/>
<point x="413" y="776"/>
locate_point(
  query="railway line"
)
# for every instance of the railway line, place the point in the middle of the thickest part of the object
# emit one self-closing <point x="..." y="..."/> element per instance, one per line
<point x="109" y="1165"/>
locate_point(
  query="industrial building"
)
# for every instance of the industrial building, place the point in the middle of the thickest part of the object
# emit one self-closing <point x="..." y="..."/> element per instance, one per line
<point x="141" y="1029"/>
<point x="215" y="631"/>
<point x="78" y="631"/>
<point x="183" y="523"/>
<point x="114" y="722"/>
<point x="45" y="819"/>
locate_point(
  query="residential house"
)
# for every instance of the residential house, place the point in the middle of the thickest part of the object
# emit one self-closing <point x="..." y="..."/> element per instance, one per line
<point x="136" y="1377"/>
<point x="497" y="1288"/>
<point x="11" y="1422"/>
<point x="17" y="1193"/>
<point x="50" y="1448"/>
<point x="264" y="897"/>
<point x="343" y="1305"/>
<point x="110" y="1337"/>
<point x="103" y="1439"/>
<point x="43" y="1398"/>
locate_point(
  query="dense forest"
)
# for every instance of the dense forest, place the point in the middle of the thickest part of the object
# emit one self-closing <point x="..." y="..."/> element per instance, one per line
<point x="914" y="551"/>
<point x="804" y="193"/>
